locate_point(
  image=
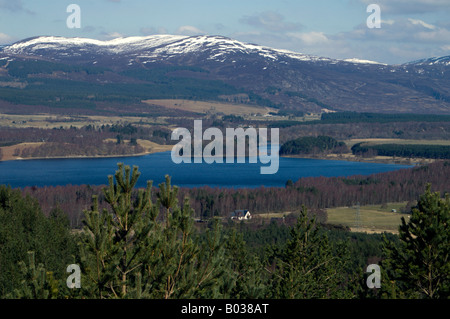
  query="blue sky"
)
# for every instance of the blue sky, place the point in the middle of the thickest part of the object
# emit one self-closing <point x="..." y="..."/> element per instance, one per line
<point x="410" y="29"/>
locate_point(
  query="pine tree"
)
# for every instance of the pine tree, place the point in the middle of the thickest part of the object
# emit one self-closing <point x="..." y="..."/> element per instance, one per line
<point x="419" y="266"/>
<point x="127" y="252"/>
<point x="25" y="228"/>
<point x="37" y="283"/>
<point x="98" y="253"/>
<point x="247" y="271"/>
<point x="115" y="241"/>
<point x="167" y="197"/>
<point x="307" y="267"/>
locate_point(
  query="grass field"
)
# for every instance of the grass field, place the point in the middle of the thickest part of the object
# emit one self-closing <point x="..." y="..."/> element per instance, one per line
<point x="49" y="121"/>
<point x="272" y="215"/>
<point x="211" y="107"/>
<point x="377" y="141"/>
<point x="374" y="218"/>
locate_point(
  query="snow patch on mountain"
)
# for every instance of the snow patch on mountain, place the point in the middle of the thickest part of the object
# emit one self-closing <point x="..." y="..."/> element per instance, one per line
<point x="154" y="47"/>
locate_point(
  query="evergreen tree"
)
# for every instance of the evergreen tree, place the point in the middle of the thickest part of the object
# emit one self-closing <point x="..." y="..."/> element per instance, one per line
<point x="167" y="197"/>
<point x="127" y="252"/>
<point x="98" y="255"/>
<point x="307" y="267"/>
<point x="24" y="228"/>
<point x="419" y="266"/>
<point x="37" y="283"/>
<point x="249" y="278"/>
<point x="116" y="241"/>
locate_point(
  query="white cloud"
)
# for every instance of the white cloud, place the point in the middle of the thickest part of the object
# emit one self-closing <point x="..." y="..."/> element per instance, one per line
<point x="422" y="23"/>
<point x="310" y="38"/>
<point x="189" y="30"/>
<point x="152" y="31"/>
<point x="11" y="5"/>
<point x="410" y="6"/>
<point x="399" y="31"/>
<point x="270" y="21"/>
<point x="112" y="35"/>
<point x="5" y="39"/>
<point x="14" y="6"/>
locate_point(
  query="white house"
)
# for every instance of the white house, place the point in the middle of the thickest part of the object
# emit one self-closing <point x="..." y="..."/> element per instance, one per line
<point x="242" y="214"/>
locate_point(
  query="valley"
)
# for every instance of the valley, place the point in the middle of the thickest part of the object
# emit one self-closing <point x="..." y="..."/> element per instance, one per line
<point x="362" y="144"/>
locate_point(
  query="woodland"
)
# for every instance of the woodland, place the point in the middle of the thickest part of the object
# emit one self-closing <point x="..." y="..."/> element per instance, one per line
<point x="147" y="243"/>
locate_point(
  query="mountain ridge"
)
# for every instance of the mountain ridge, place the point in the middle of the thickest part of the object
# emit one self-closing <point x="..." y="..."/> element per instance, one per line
<point x="292" y="80"/>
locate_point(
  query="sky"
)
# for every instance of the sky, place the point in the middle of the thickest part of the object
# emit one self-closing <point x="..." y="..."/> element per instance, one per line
<point x="409" y="29"/>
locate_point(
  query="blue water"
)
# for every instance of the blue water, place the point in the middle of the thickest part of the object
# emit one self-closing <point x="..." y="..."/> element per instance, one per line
<point x="51" y="172"/>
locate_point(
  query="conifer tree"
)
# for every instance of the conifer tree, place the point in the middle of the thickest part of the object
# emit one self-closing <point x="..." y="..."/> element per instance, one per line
<point x="116" y="240"/>
<point x="307" y="267"/>
<point x="98" y="253"/>
<point x="247" y="270"/>
<point x="167" y="197"/>
<point x="37" y="283"/>
<point x="419" y="266"/>
<point x="127" y="252"/>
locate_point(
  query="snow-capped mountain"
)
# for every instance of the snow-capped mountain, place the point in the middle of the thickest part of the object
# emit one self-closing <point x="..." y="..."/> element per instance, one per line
<point x="156" y="47"/>
<point x="291" y="80"/>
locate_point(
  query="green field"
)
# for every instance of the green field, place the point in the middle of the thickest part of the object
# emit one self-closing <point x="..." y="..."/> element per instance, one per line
<point x="373" y="218"/>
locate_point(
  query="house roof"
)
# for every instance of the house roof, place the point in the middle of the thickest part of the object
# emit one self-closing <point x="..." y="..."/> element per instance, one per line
<point x="240" y="212"/>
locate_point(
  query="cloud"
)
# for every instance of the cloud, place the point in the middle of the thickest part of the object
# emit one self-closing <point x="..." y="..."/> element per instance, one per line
<point x="397" y="41"/>
<point x="14" y="6"/>
<point x="89" y="29"/>
<point x="152" y="31"/>
<point x="310" y="38"/>
<point x="422" y="23"/>
<point x="410" y="6"/>
<point x="270" y="21"/>
<point x="414" y="31"/>
<point x="6" y="39"/>
<point x="112" y="35"/>
<point x="189" y="30"/>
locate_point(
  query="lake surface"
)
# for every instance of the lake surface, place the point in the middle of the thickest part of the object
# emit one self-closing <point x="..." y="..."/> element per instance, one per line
<point x="51" y="172"/>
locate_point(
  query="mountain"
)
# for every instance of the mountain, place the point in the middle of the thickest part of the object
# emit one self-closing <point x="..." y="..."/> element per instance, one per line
<point x="215" y="68"/>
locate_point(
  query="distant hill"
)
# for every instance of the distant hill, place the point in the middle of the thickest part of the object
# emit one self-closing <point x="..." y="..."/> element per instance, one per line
<point x="84" y="73"/>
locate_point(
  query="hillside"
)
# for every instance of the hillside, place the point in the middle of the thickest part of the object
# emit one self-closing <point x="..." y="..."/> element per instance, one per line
<point x="87" y="75"/>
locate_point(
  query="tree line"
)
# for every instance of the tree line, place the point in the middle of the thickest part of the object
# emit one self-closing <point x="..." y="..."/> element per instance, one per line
<point x="403" y="150"/>
<point x="316" y="193"/>
<point x="313" y="145"/>
<point x="145" y="246"/>
<point x="89" y="140"/>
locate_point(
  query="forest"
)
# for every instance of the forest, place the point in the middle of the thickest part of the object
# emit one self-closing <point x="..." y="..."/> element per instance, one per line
<point x="400" y="150"/>
<point x="104" y="140"/>
<point x="313" y="145"/>
<point x="145" y="243"/>
<point x="46" y="83"/>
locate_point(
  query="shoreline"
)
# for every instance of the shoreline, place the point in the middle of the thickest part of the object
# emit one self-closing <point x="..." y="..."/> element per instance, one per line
<point x="150" y="147"/>
<point x="82" y="156"/>
<point x="77" y="157"/>
<point x="377" y="159"/>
